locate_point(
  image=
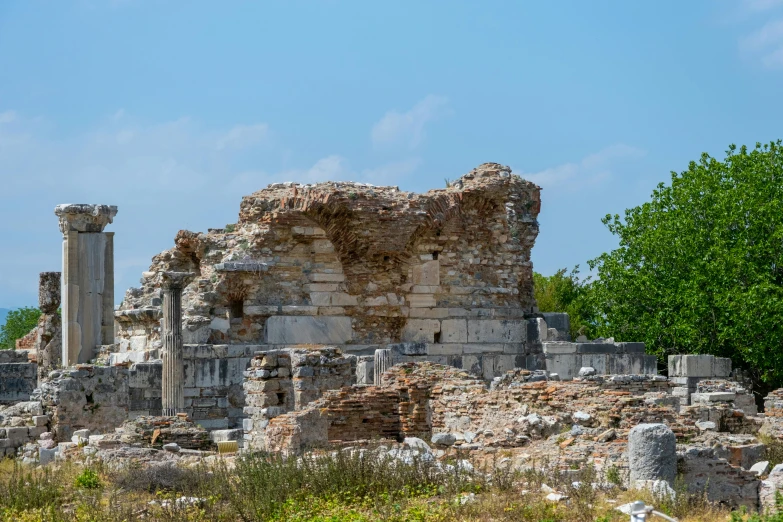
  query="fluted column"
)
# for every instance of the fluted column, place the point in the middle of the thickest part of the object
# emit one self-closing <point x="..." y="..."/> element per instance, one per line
<point x="173" y="401"/>
<point x="382" y="362"/>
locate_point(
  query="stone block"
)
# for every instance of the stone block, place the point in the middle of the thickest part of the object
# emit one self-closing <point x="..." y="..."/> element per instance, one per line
<point x="409" y="348"/>
<point x="482" y="348"/>
<point x="496" y="331"/>
<point x="598" y="361"/>
<point x="536" y="330"/>
<point x="721" y="367"/>
<point x="427" y="273"/>
<point x="596" y="348"/>
<point x="558" y="320"/>
<point x="630" y="347"/>
<point x="344" y="299"/>
<point x="565" y="365"/>
<point x="364" y="370"/>
<point x="713" y="397"/>
<point x="422" y="301"/>
<point x="47" y="456"/>
<point x="559" y="347"/>
<point x="454" y="331"/>
<point x="691" y="365"/>
<point x="308" y="330"/>
<point x="444" y="349"/>
<point x="420" y="330"/>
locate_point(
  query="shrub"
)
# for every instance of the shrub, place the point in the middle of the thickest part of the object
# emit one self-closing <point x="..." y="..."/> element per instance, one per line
<point x="88" y="479"/>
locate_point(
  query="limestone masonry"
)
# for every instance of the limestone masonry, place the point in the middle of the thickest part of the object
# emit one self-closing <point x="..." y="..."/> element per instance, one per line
<point x="342" y="313"/>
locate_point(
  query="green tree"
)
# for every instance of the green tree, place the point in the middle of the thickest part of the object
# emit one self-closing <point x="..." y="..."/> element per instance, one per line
<point x="699" y="268"/>
<point x="565" y="292"/>
<point x="18" y="323"/>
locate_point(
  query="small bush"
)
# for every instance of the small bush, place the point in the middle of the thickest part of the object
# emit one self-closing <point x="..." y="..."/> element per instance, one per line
<point x="88" y="479"/>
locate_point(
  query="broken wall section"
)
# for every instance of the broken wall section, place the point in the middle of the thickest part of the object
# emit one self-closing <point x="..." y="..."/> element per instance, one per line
<point x="18" y="376"/>
<point x="280" y="381"/>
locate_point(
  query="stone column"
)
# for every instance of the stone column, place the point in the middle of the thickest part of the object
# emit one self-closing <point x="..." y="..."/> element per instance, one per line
<point x="382" y="362"/>
<point x="88" y="280"/>
<point x="48" y="341"/>
<point x="173" y="368"/>
<point x="652" y="453"/>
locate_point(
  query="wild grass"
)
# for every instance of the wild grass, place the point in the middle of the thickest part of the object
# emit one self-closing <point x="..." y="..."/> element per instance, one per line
<point x="329" y="486"/>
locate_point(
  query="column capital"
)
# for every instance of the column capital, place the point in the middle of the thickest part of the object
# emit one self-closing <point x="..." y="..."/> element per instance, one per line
<point x="175" y="280"/>
<point x="79" y="217"/>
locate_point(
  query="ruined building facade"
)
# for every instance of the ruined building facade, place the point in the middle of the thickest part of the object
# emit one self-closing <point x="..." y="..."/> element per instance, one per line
<point x="446" y="274"/>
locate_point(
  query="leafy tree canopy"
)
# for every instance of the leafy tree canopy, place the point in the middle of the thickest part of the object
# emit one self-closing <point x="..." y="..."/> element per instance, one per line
<point x="699" y="268"/>
<point x="565" y="292"/>
<point x="18" y="323"/>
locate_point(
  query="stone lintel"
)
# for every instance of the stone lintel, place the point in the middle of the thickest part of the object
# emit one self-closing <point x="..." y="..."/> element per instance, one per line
<point x="79" y="217"/>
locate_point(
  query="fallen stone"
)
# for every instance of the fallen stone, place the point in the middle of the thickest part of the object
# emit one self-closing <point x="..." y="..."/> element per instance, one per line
<point x="608" y="435"/>
<point x="418" y="444"/>
<point x="172" y="447"/>
<point x="586" y="371"/>
<point x="706" y="425"/>
<point x="444" y="439"/>
<point x="760" y="468"/>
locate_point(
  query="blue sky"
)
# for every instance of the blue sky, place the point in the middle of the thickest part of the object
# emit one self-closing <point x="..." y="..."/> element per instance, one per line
<point x="174" y="110"/>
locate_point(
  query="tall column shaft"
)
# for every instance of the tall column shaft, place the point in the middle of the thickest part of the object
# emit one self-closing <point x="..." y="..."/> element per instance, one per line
<point x="107" y="321"/>
<point x="173" y="392"/>
<point x="173" y="367"/>
<point x="88" y="280"/>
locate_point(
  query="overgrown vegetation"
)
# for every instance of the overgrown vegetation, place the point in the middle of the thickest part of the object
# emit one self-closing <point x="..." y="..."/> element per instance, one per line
<point x="18" y="323"/>
<point x="698" y="268"/>
<point x="566" y="292"/>
<point x="328" y="486"/>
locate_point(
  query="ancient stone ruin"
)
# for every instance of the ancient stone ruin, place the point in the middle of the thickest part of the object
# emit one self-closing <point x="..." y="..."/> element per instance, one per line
<point x="343" y="312"/>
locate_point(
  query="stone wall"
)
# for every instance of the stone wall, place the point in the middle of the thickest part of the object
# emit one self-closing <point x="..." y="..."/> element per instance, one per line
<point x="605" y="356"/>
<point x="18" y="377"/>
<point x="20" y="423"/>
<point x="430" y="398"/>
<point x="362" y="267"/>
<point x="280" y="381"/>
<point x="703" y="472"/>
<point x="214" y="374"/>
<point x="85" y="397"/>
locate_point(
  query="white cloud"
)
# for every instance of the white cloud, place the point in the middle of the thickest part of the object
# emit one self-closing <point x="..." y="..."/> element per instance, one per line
<point x="407" y="128"/>
<point x="769" y="34"/>
<point x="7" y="116"/>
<point x="337" y="168"/>
<point x="243" y="136"/>
<point x="761" y="5"/>
<point x="764" y="44"/>
<point x="591" y="170"/>
<point x="163" y="176"/>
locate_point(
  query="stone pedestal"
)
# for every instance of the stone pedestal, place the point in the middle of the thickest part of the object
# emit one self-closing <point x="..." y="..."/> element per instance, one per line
<point x="48" y="340"/>
<point x="382" y="362"/>
<point x="173" y="397"/>
<point x="88" y="280"/>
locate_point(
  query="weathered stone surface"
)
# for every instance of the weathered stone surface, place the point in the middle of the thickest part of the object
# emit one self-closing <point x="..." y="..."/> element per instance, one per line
<point x="308" y="330"/>
<point x="652" y="453"/>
